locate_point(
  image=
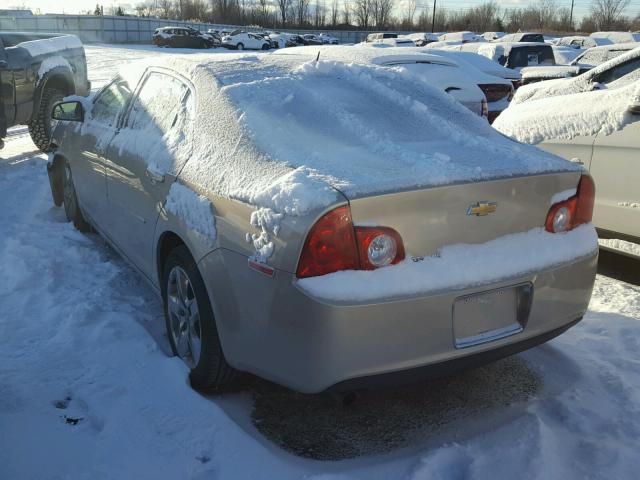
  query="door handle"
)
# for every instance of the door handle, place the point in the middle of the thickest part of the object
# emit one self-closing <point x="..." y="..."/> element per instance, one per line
<point x="154" y="175"/>
<point x="577" y="160"/>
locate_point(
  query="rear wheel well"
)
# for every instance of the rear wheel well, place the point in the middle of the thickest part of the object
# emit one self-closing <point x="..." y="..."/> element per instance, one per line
<point x="168" y="241"/>
<point x="60" y="82"/>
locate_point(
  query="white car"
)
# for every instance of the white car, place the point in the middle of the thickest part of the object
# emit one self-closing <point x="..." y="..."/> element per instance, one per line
<point x="423" y="38"/>
<point x="611" y="74"/>
<point x="462" y="37"/>
<point x="245" y="40"/>
<point x="390" y="42"/>
<point x="581" y="41"/>
<point x="599" y="129"/>
<point x="595" y="56"/>
<point x="328" y="39"/>
<point x="496" y="82"/>
<point x="442" y="73"/>
<point x="617" y="37"/>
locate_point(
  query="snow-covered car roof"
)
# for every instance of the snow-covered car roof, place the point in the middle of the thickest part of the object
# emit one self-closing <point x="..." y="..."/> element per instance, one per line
<point x="570" y="85"/>
<point x="618" y="37"/>
<point x="284" y="146"/>
<point x="461" y="37"/>
<point x="368" y="53"/>
<point x="547" y="72"/>
<point x="422" y="36"/>
<point x="443" y="73"/>
<point x="568" y="116"/>
<point x="480" y="62"/>
<point x="605" y="49"/>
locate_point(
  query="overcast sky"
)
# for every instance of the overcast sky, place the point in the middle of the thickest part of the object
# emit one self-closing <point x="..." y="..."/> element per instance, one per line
<point x="76" y="6"/>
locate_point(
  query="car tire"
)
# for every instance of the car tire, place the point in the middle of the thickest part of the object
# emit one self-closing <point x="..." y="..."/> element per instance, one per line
<point x="70" y="200"/>
<point x="265" y="47"/>
<point x="40" y="125"/>
<point x="209" y="369"/>
<point x="240" y="46"/>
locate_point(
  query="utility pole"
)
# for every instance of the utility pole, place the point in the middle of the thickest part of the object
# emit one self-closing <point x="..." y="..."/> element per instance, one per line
<point x="433" y="17"/>
<point x="571" y="17"/>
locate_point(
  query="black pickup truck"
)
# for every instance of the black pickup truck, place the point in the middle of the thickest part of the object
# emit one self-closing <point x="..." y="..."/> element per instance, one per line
<point x="36" y="71"/>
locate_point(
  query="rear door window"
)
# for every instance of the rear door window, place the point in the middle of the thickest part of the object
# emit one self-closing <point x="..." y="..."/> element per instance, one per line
<point x="162" y="116"/>
<point x="159" y="103"/>
<point x="618" y="71"/>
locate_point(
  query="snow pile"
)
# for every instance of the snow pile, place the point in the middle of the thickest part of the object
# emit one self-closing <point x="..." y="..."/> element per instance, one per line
<point x="457" y="266"/>
<point x="569" y="116"/>
<point x="268" y="222"/>
<point x="622" y="245"/>
<point x="46" y="46"/>
<point x="194" y="210"/>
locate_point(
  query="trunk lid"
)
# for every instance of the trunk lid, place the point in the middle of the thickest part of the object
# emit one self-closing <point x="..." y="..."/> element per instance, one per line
<point x="428" y="219"/>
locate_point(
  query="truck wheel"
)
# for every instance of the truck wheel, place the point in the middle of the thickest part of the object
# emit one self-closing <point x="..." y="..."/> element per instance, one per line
<point x="71" y="207"/>
<point x="191" y="326"/>
<point x="40" y="126"/>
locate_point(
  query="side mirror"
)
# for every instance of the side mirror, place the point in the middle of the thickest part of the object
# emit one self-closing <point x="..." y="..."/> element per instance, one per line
<point x="68" y="111"/>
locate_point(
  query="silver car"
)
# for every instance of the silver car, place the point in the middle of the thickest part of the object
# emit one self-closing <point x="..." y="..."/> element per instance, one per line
<point x="297" y="230"/>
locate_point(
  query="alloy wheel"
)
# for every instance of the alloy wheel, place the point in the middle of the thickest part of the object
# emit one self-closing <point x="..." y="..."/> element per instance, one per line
<point x="184" y="317"/>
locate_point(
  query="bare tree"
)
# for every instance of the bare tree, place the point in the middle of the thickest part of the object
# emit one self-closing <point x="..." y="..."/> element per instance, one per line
<point x="346" y="13"/>
<point x="381" y="12"/>
<point x="362" y="12"/>
<point x="283" y="6"/>
<point x="335" y="9"/>
<point x="301" y="11"/>
<point x="166" y="8"/>
<point x="319" y="14"/>
<point x="410" y="12"/>
<point x="606" y="13"/>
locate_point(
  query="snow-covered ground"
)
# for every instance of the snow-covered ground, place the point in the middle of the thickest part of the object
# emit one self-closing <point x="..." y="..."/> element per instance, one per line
<point x="87" y="389"/>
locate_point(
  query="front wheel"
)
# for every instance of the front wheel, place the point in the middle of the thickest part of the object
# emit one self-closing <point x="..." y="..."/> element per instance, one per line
<point x="70" y="200"/>
<point x="240" y="46"/>
<point x="190" y="323"/>
<point x="265" y="47"/>
<point x="41" y="125"/>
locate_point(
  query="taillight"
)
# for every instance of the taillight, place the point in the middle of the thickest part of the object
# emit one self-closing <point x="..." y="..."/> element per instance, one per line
<point x="330" y="245"/>
<point x="495" y="91"/>
<point x="577" y="210"/>
<point x="334" y="244"/>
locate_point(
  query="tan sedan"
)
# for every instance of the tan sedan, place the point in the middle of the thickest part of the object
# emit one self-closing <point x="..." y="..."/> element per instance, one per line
<point x="297" y="229"/>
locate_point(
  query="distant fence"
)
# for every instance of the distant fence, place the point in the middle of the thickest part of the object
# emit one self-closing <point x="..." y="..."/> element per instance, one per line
<point x="112" y="29"/>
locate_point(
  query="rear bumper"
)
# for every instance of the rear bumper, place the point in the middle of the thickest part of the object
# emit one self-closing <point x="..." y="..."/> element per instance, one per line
<point x="441" y="369"/>
<point x="310" y="345"/>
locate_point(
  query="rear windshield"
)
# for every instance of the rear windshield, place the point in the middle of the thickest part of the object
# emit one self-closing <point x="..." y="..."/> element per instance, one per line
<point x="532" y="37"/>
<point x="530" y="56"/>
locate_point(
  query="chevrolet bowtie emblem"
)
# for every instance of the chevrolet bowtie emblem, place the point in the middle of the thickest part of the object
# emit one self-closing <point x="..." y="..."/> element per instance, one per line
<point x="481" y="209"/>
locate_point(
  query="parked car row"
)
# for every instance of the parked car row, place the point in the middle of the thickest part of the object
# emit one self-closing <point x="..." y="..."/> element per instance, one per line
<point x="592" y="119"/>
